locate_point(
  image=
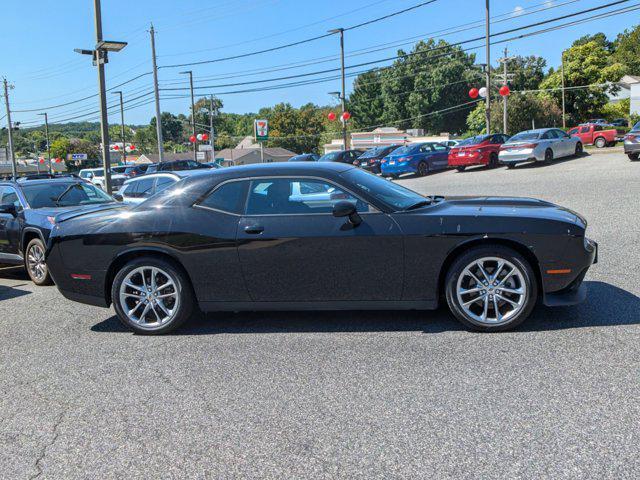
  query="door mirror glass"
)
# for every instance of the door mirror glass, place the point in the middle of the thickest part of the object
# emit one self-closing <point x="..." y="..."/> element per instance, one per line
<point x="344" y="208"/>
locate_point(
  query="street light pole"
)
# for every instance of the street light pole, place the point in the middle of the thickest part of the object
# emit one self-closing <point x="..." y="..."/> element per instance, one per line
<point x="156" y="92"/>
<point x="211" y="130"/>
<point x="46" y="134"/>
<point x="343" y="91"/>
<point x="101" y="58"/>
<point x="564" y="119"/>
<point x="488" y="54"/>
<point x="122" y="134"/>
<point x="193" y="113"/>
<point x="14" y="170"/>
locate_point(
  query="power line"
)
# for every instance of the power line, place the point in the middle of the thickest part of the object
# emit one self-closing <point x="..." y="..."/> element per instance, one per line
<point x="299" y="42"/>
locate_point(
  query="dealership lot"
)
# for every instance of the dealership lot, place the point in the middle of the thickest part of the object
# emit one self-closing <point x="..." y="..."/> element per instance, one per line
<point x="349" y="394"/>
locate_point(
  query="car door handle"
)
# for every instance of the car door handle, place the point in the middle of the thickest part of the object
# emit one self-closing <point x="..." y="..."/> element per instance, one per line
<point x="254" y="229"/>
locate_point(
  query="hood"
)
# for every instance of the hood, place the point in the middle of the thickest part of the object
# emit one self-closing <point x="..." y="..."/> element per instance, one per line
<point x="77" y="211"/>
<point x="509" y="207"/>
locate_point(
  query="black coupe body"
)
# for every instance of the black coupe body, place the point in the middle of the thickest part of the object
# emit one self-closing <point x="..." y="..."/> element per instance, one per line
<point x="309" y="235"/>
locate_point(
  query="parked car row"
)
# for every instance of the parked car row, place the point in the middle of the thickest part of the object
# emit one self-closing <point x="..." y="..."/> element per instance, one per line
<point x="632" y="142"/>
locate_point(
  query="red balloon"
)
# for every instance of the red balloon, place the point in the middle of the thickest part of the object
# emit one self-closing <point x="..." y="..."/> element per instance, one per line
<point x="132" y="147"/>
<point x="473" y="93"/>
<point x="346" y="116"/>
<point x="41" y="160"/>
<point x="58" y="160"/>
<point x="116" y="147"/>
<point x="331" y="116"/>
<point x="504" y="91"/>
<point x="205" y="137"/>
<point x="192" y="139"/>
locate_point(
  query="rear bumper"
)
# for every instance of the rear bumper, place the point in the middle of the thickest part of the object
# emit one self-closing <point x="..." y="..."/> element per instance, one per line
<point x="466" y="161"/>
<point x="96" y="301"/>
<point x="389" y="170"/>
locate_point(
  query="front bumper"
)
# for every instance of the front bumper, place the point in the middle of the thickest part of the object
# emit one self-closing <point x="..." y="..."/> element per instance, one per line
<point x="575" y="292"/>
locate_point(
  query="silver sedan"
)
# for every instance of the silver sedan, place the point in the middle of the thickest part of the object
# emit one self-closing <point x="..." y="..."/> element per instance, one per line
<point x="542" y="145"/>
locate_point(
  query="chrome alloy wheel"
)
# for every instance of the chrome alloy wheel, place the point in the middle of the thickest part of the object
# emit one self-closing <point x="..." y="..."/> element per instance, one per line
<point x="491" y="291"/>
<point x="149" y="297"/>
<point x="35" y="262"/>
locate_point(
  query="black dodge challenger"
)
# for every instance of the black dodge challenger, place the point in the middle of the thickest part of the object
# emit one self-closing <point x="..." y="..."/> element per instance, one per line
<point x="308" y="236"/>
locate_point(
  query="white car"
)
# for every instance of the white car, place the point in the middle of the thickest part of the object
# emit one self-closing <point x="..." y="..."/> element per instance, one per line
<point x="138" y="189"/>
<point x="542" y="145"/>
<point x="96" y="176"/>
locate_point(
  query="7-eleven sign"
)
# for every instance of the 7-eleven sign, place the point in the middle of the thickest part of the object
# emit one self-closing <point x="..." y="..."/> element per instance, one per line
<point x="261" y="130"/>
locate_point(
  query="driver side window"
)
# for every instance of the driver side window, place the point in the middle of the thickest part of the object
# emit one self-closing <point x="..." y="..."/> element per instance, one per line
<point x="9" y="195"/>
<point x="286" y="196"/>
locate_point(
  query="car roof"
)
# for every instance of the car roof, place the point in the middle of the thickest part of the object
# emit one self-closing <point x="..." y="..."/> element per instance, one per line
<point x="37" y="181"/>
<point x="176" y="173"/>
<point x="284" y="168"/>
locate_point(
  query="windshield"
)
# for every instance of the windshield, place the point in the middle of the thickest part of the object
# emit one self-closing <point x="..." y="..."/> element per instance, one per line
<point x="636" y="127"/>
<point x="389" y="193"/>
<point x="473" y="140"/>
<point x="376" y="152"/>
<point x="67" y="194"/>
<point x="525" y="136"/>
<point x="405" y="150"/>
<point x="330" y="157"/>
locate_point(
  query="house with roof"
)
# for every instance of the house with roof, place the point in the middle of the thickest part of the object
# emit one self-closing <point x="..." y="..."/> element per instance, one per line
<point x="249" y="155"/>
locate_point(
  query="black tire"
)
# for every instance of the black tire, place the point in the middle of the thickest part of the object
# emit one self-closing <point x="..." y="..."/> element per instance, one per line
<point x="182" y="288"/>
<point x="34" y="263"/>
<point x="634" y="157"/>
<point x="548" y="156"/>
<point x="494" y="251"/>
<point x="511" y="166"/>
<point x="600" y="142"/>
<point x="579" y="148"/>
<point x="461" y="168"/>
<point x="423" y="169"/>
<point x="493" y="160"/>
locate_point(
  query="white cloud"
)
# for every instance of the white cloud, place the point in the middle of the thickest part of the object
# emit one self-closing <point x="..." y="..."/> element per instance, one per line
<point x="518" y="11"/>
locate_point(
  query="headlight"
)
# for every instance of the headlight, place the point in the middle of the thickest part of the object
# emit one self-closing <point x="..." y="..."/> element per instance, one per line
<point x="589" y="245"/>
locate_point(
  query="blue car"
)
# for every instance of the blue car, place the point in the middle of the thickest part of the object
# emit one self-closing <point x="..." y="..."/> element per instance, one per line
<point x="416" y="158"/>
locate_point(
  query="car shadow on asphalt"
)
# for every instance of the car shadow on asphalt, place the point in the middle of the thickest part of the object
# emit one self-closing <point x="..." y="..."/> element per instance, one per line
<point x="557" y="161"/>
<point x="606" y="305"/>
<point x="8" y="292"/>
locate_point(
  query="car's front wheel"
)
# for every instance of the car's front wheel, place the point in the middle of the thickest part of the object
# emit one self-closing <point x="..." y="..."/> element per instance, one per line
<point x="152" y="296"/>
<point x="461" y="168"/>
<point x="634" y="156"/>
<point x="35" y="264"/>
<point x="491" y="288"/>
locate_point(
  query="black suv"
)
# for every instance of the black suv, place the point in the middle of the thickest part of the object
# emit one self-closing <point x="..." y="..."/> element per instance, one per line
<point x="28" y="209"/>
<point x="175" y="165"/>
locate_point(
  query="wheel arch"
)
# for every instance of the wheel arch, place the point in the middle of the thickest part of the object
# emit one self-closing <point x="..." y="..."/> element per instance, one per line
<point x="28" y="234"/>
<point x="482" y="242"/>
<point x="125" y="257"/>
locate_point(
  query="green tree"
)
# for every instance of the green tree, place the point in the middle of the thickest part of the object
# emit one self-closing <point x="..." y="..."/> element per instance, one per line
<point x="524" y="111"/>
<point x="366" y="103"/>
<point x="527" y="72"/>
<point x="585" y="63"/>
<point x="627" y="50"/>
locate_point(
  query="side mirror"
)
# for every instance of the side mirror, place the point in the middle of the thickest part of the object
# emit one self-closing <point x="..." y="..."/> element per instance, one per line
<point x="347" y="209"/>
<point x="118" y="197"/>
<point x="9" y="208"/>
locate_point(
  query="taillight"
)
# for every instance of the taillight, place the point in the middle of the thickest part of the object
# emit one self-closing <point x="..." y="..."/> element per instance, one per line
<point x="356" y="162"/>
<point x="372" y="161"/>
<point x="384" y="160"/>
<point x="631" y="137"/>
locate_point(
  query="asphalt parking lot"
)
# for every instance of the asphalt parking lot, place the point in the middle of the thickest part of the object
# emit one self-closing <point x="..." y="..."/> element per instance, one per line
<point x="343" y="395"/>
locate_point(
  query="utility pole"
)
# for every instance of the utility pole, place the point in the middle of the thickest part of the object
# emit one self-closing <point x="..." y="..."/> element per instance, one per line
<point x="193" y="114"/>
<point x="12" y="155"/>
<point x="122" y="134"/>
<point x="211" y="130"/>
<point x="505" y="80"/>
<point x="46" y="134"/>
<point x="343" y="91"/>
<point x="157" y="95"/>
<point x="488" y="72"/>
<point x="564" y="120"/>
<point x="101" y="59"/>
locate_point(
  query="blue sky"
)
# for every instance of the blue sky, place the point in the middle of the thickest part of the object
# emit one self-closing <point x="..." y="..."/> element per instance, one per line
<point x="41" y="36"/>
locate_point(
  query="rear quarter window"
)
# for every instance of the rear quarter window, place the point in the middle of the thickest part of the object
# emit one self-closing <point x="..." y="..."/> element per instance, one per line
<point x="229" y="197"/>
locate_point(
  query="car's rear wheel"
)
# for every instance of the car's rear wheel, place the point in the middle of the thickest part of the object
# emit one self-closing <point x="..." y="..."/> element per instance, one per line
<point x="548" y="156"/>
<point x="152" y="296"/>
<point x="461" y="168"/>
<point x="634" y="157"/>
<point x="493" y="160"/>
<point x="423" y="169"/>
<point x="35" y="264"/>
<point x="491" y="288"/>
<point x="600" y="142"/>
<point x="579" y="148"/>
<point x="511" y="165"/>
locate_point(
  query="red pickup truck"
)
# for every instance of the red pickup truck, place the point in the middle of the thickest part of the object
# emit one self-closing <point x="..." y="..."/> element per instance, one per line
<point x="593" y="134"/>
